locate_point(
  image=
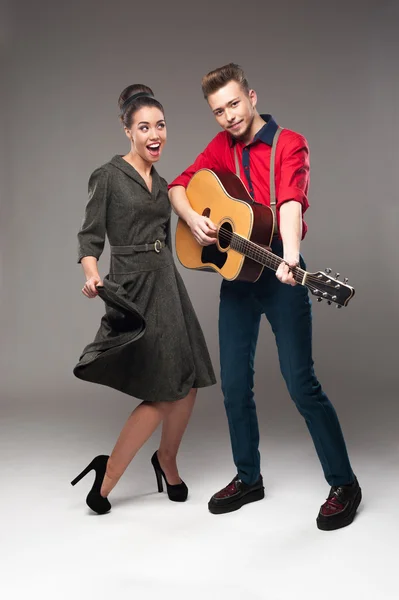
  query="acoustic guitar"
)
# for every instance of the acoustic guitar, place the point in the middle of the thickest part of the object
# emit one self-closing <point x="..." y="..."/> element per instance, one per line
<point x="244" y="234"/>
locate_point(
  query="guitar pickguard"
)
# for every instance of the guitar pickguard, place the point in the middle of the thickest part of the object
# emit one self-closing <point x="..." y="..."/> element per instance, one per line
<point x="211" y="254"/>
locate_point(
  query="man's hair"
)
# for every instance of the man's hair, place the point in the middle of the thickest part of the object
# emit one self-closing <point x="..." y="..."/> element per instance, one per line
<point x="213" y="81"/>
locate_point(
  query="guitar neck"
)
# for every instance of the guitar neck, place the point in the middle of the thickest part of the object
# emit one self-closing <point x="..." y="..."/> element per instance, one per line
<point x="264" y="257"/>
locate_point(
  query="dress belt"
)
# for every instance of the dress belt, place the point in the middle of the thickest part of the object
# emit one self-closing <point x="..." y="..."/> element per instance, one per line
<point x="154" y="247"/>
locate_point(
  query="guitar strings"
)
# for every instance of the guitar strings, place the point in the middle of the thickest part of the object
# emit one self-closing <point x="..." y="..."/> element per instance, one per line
<point x="274" y="260"/>
<point x="228" y="236"/>
<point x="259" y="253"/>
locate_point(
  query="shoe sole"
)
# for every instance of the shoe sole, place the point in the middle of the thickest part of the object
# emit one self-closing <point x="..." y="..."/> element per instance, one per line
<point x="227" y="508"/>
<point x="330" y="525"/>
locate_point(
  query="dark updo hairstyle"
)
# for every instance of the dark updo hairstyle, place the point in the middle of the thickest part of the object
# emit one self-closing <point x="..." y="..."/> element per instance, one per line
<point x="129" y="105"/>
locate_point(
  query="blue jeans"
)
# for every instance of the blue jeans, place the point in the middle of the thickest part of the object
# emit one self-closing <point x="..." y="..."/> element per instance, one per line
<point x="288" y="310"/>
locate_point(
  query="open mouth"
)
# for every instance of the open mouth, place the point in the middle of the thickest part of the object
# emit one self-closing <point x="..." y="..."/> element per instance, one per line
<point x="154" y="149"/>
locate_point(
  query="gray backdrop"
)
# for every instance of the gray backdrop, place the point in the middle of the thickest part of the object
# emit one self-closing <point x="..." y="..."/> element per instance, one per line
<point x="326" y="70"/>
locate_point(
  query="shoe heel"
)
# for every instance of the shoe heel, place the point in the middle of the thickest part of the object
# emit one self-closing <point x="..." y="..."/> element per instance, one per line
<point x="176" y="493"/>
<point x="94" y="500"/>
<point x="82" y="474"/>
<point x="255" y="495"/>
<point x="158" y="471"/>
<point x="159" y="480"/>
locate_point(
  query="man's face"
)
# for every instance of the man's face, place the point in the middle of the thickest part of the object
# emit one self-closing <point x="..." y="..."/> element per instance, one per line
<point x="234" y="110"/>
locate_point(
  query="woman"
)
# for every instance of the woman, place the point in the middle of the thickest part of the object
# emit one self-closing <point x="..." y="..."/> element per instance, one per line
<point x="164" y="366"/>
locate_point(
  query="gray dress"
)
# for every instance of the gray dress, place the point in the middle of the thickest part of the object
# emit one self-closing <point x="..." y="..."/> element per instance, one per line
<point x="171" y="357"/>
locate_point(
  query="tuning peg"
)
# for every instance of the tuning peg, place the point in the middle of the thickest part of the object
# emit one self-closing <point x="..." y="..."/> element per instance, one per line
<point x="329" y="302"/>
<point x="328" y="271"/>
<point x="319" y="299"/>
<point x="339" y="306"/>
<point x="337" y="275"/>
<point x="345" y="280"/>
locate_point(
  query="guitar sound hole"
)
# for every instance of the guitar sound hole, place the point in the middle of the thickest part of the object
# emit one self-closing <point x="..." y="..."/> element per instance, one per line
<point x="211" y="254"/>
<point x="225" y="233"/>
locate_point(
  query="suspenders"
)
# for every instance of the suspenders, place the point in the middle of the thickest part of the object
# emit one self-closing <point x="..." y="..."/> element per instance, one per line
<point x="272" y="178"/>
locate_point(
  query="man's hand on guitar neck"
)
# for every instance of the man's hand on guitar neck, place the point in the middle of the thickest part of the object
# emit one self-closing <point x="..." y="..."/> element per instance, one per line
<point x="284" y="272"/>
<point x="291" y="234"/>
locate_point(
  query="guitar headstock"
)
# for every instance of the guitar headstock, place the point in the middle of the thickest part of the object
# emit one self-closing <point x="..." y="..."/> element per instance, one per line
<point x="329" y="288"/>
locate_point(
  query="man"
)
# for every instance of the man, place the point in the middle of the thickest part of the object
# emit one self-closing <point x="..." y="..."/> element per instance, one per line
<point x="286" y="305"/>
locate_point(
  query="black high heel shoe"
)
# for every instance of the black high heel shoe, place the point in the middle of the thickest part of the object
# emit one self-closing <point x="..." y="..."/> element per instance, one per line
<point x="176" y="493"/>
<point x="94" y="499"/>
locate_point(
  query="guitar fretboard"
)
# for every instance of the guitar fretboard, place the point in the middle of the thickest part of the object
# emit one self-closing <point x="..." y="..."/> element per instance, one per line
<point x="259" y="254"/>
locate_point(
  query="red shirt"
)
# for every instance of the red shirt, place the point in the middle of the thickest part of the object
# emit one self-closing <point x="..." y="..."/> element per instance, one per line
<point x="291" y="165"/>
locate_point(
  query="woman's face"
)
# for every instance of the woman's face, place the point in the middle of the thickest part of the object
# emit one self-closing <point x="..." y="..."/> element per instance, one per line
<point x="148" y="133"/>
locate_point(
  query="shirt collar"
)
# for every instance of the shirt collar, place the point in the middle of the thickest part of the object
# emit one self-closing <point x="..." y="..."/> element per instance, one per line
<point x="265" y="134"/>
<point x="120" y="163"/>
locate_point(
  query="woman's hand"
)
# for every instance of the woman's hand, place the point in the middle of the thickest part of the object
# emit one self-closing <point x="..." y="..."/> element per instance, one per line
<point x="89" y="289"/>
